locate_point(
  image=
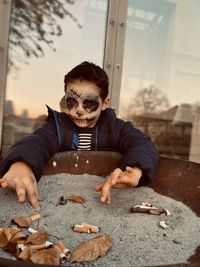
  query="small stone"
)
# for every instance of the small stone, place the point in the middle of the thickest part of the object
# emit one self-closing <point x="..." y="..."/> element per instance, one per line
<point x="177" y="241"/>
<point x="76" y="165"/>
<point x="54" y="164"/>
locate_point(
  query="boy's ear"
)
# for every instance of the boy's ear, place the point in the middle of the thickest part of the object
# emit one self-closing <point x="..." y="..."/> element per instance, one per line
<point x="105" y="103"/>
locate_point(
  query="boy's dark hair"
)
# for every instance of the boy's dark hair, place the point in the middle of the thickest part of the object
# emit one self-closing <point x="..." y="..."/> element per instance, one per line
<point x="87" y="71"/>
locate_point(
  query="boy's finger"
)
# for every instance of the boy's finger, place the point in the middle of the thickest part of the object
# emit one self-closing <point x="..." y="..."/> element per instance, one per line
<point x="114" y="176"/>
<point x="108" y="200"/>
<point x="129" y="181"/>
<point x="21" y="193"/>
<point x="36" y="190"/>
<point x="129" y="169"/>
<point x="98" y="187"/>
<point x="4" y="185"/>
<point x="33" y="196"/>
<point x="120" y="185"/>
<point x="34" y="200"/>
<point x="105" y="191"/>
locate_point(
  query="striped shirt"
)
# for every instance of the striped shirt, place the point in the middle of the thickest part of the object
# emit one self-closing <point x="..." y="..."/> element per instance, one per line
<point x="84" y="141"/>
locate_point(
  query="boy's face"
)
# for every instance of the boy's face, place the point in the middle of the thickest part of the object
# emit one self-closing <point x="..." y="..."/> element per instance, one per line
<point x="84" y="103"/>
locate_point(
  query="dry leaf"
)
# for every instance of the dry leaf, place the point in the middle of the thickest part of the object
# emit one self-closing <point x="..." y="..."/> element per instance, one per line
<point x="7" y="234"/>
<point x="37" y="238"/>
<point x="22" y="221"/>
<point x="26" y="254"/>
<point x="46" y="244"/>
<point x="3" y="239"/>
<point x="90" y="250"/>
<point x="10" y="232"/>
<point x="76" y="198"/>
<point x="62" y="201"/>
<point x="9" y="238"/>
<point x="46" y="256"/>
<point x="11" y="247"/>
<point x="25" y="221"/>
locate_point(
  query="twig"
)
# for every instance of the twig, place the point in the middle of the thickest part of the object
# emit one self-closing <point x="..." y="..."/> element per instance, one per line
<point x="115" y="230"/>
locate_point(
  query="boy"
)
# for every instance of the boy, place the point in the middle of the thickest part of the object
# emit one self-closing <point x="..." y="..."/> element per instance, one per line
<point x="86" y="124"/>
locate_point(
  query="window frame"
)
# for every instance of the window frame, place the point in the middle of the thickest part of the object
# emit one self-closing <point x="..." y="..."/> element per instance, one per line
<point x="5" y="14"/>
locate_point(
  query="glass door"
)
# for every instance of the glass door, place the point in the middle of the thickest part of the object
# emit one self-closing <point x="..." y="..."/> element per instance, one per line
<point x="46" y="41"/>
<point x="161" y="79"/>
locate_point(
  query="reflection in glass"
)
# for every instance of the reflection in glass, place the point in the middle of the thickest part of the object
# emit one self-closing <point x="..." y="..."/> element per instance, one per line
<point x="51" y="37"/>
<point x="161" y="78"/>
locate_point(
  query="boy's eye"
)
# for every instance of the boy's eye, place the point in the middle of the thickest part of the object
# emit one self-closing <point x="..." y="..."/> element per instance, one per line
<point x="90" y="105"/>
<point x="71" y="102"/>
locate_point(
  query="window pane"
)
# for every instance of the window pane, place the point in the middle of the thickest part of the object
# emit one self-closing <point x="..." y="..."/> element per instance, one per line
<point x="46" y="41"/>
<point x="160" y="89"/>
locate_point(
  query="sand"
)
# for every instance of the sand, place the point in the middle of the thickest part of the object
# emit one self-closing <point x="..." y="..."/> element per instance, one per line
<point x="138" y="240"/>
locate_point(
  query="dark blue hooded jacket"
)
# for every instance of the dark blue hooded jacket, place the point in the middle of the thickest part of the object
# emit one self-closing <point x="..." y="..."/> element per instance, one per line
<point x="59" y="134"/>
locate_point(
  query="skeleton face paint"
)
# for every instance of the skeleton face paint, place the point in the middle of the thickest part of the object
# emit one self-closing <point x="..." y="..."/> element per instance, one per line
<point x="83" y="103"/>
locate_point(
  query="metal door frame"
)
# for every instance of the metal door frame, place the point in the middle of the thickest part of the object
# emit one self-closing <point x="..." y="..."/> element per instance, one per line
<point x="5" y="13"/>
<point x="114" y="47"/>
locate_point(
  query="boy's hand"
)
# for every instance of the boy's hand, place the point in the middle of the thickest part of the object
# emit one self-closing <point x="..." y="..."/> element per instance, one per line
<point x="118" y="179"/>
<point x="21" y="178"/>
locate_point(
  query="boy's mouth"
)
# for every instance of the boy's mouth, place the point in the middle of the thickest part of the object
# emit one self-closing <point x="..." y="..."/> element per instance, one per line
<point x="88" y="120"/>
<point x="83" y="122"/>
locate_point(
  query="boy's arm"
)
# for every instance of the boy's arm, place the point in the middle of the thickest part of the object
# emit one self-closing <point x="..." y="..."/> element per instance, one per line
<point x="33" y="149"/>
<point x="24" y="162"/>
<point x="139" y="159"/>
<point x="138" y="150"/>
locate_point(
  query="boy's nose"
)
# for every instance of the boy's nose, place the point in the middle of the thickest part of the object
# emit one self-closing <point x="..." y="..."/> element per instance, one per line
<point x="80" y="111"/>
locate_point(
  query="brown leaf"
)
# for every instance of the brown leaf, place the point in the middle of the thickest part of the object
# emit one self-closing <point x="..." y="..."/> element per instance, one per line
<point x="37" y="238"/>
<point x="62" y="201"/>
<point x="19" y="237"/>
<point x="91" y="249"/>
<point x="3" y="239"/>
<point x="7" y="234"/>
<point x="22" y="221"/>
<point x="25" y="221"/>
<point x="46" y="256"/>
<point x="76" y="198"/>
<point x="9" y="239"/>
<point x="10" y="232"/>
<point x="26" y="254"/>
<point x="11" y="247"/>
